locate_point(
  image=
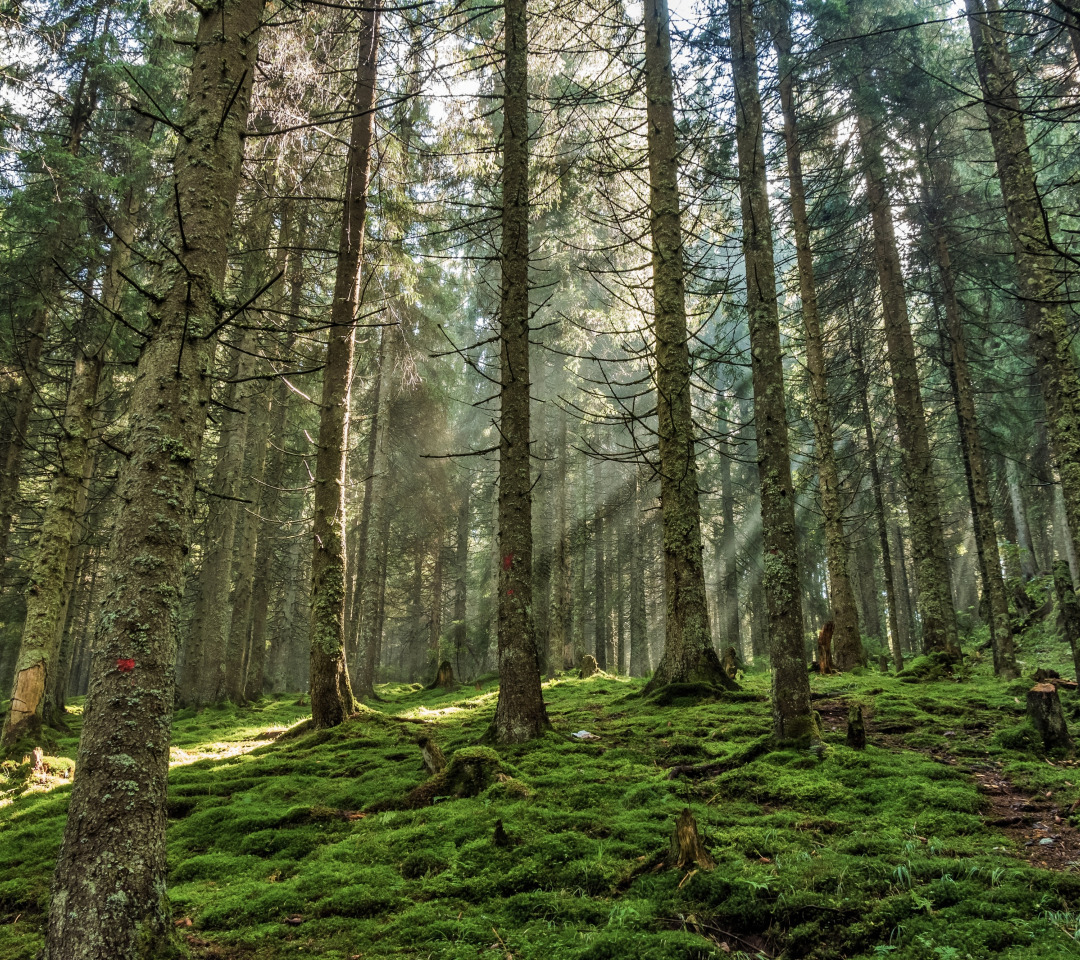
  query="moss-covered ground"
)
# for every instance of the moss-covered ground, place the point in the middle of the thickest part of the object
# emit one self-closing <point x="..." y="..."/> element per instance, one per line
<point x="275" y="850"/>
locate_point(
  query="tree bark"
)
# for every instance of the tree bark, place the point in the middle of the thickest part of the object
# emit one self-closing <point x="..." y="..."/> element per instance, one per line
<point x="793" y="719"/>
<point x="117" y="809"/>
<point x="520" y="714"/>
<point x="1034" y="250"/>
<point x="45" y="594"/>
<point x="688" y="651"/>
<point x="880" y="519"/>
<point x="921" y="492"/>
<point x="847" y="642"/>
<point x="639" y="640"/>
<point x="331" y="692"/>
<point x="982" y="511"/>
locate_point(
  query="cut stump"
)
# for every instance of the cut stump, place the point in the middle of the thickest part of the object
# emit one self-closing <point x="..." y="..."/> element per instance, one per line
<point x="588" y="666"/>
<point x="444" y="679"/>
<point x="730" y="662"/>
<point x="1044" y="712"/>
<point x="856" y="728"/>
<point x="434" y="761"/>
<point x="687" y="848"/>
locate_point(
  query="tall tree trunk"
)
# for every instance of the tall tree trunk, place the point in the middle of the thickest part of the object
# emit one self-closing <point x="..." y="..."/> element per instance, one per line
<point x="1020" y="518"/>
<point x="460" y="635"/>
<point x="793" y="719"/>
<point x="45" y="594"/>
<point x="688" y="651"/>
<point x="639" y="637"/>
<point x="601" y="621"/>
<point x="520" y="714"/>
<point x="558" y="621"/>
<point x="982" y="512"/>
<point x="729" y="570"/>
<point x="847" y="642"/>
<point x="117" y="809"/>
<point x="1034" y="250"/>
<point x="331" y="692"/>
<point x="881" y="522"/>
<point x="927" y="537"/>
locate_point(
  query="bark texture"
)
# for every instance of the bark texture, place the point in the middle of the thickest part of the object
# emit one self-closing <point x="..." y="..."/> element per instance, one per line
<point x="331" y="692"/>
<point x="108" y="895"/>
<point x="847" y="642"/>
<point x="1037" y="267"/>
<point x="793" y="719"/>
<point x="520" y="714"/>
<point x="688" y="651"/>
<point x="920" y="487"/>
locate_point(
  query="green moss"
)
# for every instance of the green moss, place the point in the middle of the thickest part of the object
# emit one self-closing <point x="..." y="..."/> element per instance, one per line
<point x="819" y="855"/>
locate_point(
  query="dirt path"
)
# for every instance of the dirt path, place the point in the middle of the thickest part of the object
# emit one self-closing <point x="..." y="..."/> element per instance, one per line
<point x="1035" y="822"/>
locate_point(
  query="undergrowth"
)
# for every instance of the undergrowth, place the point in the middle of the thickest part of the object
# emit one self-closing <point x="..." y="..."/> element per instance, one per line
<point x="275" y="850"/>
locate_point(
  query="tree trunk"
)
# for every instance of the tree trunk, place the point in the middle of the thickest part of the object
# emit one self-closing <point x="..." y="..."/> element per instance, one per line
<point x="982" y="512"/>
<point x="558" y="622"/>
<point x="847" y="642"/>
<point x="520" y="714"/>
<point x="601" y="620"/>
<point x="331" y="692"/>
<point x="1033" y="249"/>
<point x="460" y="634"/>
<point x="45" y="593"/>
<point x="639" y="637"/>
<point x="117" y="809"/>
<point x="688" y="651"/>
<point x="729" y="570"/>
<point x="881" y="522"/>
<point x="793" y="719"/>
<point x="927" y="537"/>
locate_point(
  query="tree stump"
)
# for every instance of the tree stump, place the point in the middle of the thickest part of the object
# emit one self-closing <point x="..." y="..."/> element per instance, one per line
<point x="1044" y="711"/>
<point x="856" y="728"/>
<point x="588" y="666"/>
<point x="434" y="761"/>
<point x="687" y="847"/>
<point x="824" y="646"/>
<point x="883" y="663"/>
<point x="444" y="679"/>
<point x="730" y="662"/>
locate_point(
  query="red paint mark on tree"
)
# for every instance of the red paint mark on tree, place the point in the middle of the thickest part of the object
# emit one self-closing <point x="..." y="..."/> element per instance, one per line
<point x="508" y="561"/>
<point x="125" y="666"/>
<point x="510" y="592"/>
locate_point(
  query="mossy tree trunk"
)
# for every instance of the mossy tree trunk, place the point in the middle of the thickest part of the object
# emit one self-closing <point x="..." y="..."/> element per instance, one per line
<point x="45" y="592"/>
<point x="331" y="692"/>
<point x="1040" y="288"/>
<point x="920" y="483"/>
<point x="688" y="651"/>
<point x="880" y="519"/>
<point x="847" y="642"/>
<point x="729" y="571"/>
<point x="520" y="714"/>
<point x="99" y="911"/>
<point x="793" y="719"/>
<point x="971" y="447"/>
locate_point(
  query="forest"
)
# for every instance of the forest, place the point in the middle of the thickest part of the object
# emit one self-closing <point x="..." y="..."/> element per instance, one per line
<point x="539" y="481"/>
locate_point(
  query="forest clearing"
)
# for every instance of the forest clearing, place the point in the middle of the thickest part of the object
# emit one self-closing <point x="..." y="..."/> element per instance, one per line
<point x="539" y="479"/>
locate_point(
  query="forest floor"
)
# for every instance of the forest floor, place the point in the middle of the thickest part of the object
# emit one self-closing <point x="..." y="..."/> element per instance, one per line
<point x="949" y="837"/>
